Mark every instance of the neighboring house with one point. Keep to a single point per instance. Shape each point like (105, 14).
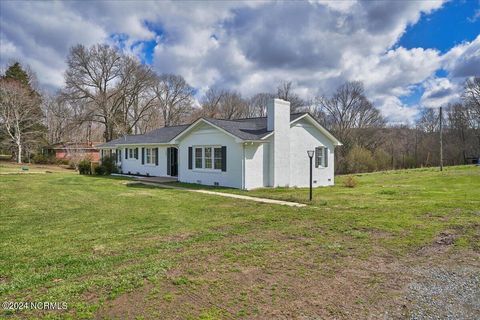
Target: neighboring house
(67, 151)
(243, 153)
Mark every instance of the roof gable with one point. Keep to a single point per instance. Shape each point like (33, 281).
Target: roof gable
(320, 128)
(196, 124)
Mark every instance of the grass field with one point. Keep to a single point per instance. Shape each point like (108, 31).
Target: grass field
(111, 250)
(14, 168)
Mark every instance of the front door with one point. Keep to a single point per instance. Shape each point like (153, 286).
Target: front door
(172, 161)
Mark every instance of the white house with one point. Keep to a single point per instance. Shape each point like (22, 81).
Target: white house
(246, 153)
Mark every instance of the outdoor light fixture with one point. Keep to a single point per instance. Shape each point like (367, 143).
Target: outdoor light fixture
(310, 155)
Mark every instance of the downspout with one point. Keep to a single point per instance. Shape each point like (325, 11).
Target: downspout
(243, 167)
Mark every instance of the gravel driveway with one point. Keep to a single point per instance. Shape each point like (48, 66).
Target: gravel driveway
(445, 293)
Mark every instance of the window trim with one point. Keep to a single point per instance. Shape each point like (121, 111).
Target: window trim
(212, 158)
(152, 161)
(321, 152)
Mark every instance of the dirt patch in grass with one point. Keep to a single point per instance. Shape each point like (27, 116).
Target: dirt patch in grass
(274, 291)
(445, 238)
(440, 245)
(126, 306)
(377, 287)
(266, 274)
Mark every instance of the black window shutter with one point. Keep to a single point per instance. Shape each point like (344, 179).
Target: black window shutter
(143, 155)
(156, 156)
(224, 158)
(126, 153)
(136, 153)
(169, 154)
(317, 153)
(190, 158)
(326, 156)
(119, 155)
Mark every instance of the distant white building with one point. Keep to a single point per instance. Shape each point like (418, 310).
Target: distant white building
(246, 153)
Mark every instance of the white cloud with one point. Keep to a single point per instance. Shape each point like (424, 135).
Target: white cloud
(464, 59)
(396, 111)
(475, 17)
(41, 34)
(439, 92)
(246, 46)
(394, 72)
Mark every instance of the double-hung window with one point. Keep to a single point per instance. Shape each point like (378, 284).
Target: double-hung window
(208, 157)
(150, 156)
(154, 156)
(217, 160)
(321, 157)
(198, 158)
(130, 153)
(318, 157)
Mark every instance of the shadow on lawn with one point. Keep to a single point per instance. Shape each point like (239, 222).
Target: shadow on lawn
(140, 185)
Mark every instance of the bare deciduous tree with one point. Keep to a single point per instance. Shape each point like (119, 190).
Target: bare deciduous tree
(232, 106)
(471, 98)
(175, 98)
(458, 126)
(258, 104)
(210, 102)
(285, 92)
(472, 95)
(428, 121)
(58, 118)
(223, 104)
(349, 109)
(93, 78)
(138, 97)
(109, 88)
(20, 114)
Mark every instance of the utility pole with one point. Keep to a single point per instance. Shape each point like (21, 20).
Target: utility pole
(441, 140)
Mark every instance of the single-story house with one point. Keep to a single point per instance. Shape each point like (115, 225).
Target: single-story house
(246, 153)
(68, 150)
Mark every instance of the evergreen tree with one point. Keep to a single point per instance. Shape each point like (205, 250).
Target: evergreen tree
(21, 115)
(16, 72)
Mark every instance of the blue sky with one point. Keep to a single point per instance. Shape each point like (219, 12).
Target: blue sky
(452, 25)
(444, 28)
(409, 54)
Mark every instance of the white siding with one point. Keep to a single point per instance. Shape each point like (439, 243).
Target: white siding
(278, 116)
(281, 160)
(134, 166)
(206, 135)
(256, 165)
(304, 136)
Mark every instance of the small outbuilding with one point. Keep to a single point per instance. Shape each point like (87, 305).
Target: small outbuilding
(67, 151)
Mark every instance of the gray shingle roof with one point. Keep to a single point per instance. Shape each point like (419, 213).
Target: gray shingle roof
(249, 128)
(246, 129)
(160, 135)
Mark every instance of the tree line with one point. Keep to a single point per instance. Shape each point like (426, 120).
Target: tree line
(108, 94)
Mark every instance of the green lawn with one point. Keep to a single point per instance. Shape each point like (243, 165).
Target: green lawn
(14, 168)
(94, 242)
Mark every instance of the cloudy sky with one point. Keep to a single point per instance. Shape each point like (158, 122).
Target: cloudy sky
(409, 54)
